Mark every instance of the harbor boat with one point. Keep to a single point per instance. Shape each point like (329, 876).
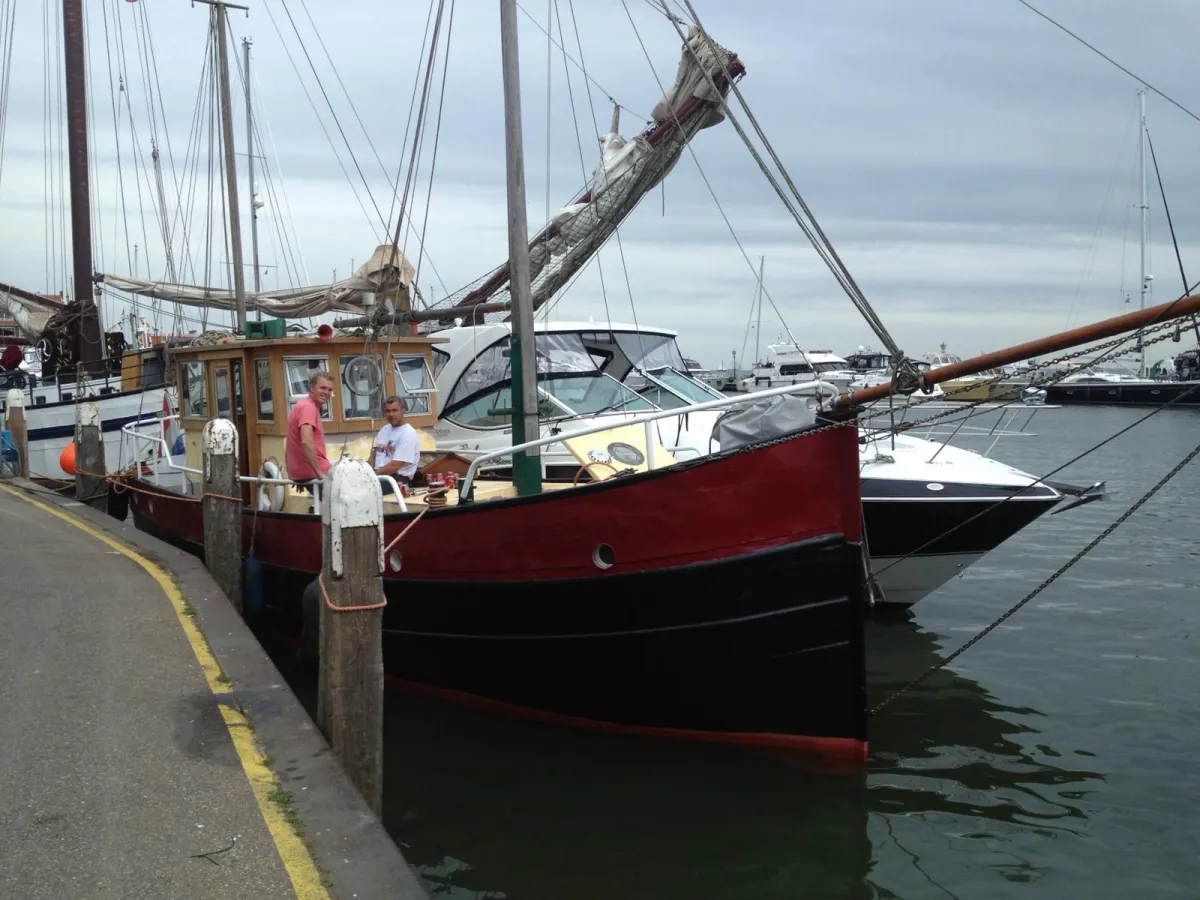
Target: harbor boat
(596, 602)
(1125, 380)
(789, 364)
(127, 386)
(670, 630)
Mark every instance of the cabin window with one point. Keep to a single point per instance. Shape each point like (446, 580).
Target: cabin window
(491, 410)
(440, 358)
(193, 391)
(795, 369)
(650, 351)
(221, 379)
(298, 369)
(362, 386)
(262, 388)
(557, 354)
(414, 384)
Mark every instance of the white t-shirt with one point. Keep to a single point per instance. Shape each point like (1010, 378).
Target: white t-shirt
(398, 443)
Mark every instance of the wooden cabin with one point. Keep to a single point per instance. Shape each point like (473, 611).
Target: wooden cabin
(254, 384)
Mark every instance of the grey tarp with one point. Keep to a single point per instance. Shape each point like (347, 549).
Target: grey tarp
(769, 418)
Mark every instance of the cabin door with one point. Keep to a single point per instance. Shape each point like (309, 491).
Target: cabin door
(231, 404)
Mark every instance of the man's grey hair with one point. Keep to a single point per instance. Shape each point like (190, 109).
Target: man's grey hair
(395, 399)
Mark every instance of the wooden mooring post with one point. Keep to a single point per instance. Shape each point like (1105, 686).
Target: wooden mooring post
(221, 506)
(350, 685)
(90, 486)
(14, 404)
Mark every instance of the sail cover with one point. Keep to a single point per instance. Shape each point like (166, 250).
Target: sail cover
(628, 169)
(29, 311)
(379, 274)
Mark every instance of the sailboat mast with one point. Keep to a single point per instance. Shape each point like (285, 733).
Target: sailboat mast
(220, 8)
(250, 171)
(90, 347)
(527, 469)
(758, 322)
(1144, 209)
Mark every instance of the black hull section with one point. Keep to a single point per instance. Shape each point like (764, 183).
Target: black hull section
(898, 526)
(1180, 393)
(762, 649)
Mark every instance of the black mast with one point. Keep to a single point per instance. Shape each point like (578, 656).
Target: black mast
(89, 342)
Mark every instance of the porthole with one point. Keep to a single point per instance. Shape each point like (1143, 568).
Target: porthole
(934, 486)
(603, 556)
(150, 505)
(395, 561)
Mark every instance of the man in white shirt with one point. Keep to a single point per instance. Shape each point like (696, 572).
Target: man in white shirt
(397, 447)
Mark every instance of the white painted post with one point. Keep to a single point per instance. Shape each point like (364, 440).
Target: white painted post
(89, 456)
(222, 508)
(14, 403)
(350, 685)
(649, 447)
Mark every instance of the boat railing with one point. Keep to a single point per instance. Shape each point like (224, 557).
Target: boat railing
(163, 457)
(645, 420)
(155, 441)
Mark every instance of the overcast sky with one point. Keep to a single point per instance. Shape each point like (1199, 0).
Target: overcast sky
(974, 166)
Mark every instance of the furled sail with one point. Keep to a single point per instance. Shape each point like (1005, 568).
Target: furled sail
(627, 171)
(31, 312)
(380, 274)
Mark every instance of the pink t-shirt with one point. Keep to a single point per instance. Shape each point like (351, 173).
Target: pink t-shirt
(305, 412)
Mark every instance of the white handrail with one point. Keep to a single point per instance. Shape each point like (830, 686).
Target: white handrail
(472, 469)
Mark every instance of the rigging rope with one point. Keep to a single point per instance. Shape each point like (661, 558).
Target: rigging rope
(1109, 59)
(808, 223)
(708, 184)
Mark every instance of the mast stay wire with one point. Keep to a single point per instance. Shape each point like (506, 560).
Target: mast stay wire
(292, 266)
(1171, 226)
(437, 135)
(362, 125)
(604, 173)
(418, 130)
(321, 121)
(803, 215)
(582, 165)
(711, 191)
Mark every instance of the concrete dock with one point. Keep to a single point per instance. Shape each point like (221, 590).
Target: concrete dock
(148, 747)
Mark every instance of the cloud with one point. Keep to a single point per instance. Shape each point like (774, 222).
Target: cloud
(974, 166)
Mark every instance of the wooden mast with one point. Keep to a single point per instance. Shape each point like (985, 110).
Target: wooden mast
(89, 341)
(1086, 334)
(527, 467)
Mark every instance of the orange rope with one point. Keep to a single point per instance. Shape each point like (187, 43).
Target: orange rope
(430, 493)
(341, 609)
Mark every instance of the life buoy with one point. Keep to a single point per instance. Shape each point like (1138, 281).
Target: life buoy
(270, 496)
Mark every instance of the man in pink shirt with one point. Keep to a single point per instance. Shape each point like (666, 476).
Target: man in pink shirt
(306, 460)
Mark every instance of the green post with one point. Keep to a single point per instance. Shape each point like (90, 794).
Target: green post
(527, 469)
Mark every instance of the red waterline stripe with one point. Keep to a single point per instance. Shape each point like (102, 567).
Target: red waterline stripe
(834, 747)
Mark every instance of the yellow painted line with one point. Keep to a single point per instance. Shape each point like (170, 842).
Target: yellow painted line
(300, 866)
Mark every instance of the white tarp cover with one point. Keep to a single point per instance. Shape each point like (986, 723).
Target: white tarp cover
(381, 271)
(30, 317)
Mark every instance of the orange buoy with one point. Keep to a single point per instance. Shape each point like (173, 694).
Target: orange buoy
(66, 459)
